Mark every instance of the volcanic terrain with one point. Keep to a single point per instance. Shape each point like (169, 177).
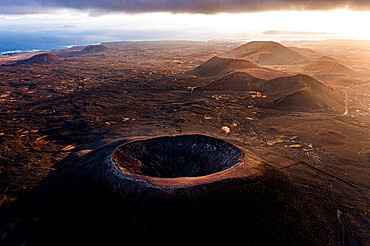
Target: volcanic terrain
(186, 142)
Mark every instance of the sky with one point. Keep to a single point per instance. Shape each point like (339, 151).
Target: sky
(72, 22)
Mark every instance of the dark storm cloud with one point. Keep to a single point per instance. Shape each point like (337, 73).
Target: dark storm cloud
(178, 6)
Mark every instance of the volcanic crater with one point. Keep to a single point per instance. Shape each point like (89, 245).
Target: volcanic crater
(179, 156)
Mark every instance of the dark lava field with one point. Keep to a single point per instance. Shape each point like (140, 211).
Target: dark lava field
(186, 143)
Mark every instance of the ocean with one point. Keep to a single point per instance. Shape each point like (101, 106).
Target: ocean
(12, 43)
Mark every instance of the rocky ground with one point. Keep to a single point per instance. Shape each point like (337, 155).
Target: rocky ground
(138, 90)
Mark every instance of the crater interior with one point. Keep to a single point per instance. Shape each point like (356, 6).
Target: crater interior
(176, 156)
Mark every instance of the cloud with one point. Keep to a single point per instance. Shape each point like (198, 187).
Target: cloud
(177, 6)
(275, 32)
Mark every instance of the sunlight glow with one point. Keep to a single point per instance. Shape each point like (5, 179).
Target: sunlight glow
(338, 23)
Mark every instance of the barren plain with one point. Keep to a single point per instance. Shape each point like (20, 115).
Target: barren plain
(299, 111)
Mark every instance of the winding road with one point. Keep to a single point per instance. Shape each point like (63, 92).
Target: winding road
(345, 104)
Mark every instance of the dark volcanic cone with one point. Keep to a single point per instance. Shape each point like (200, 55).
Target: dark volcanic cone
(268, 53)
(45, 58)
(217, 66)
(292, 93)
(328, 67)
(100, 48)
(326, 58)
(234, 82)
(122, 194)
(303, 93)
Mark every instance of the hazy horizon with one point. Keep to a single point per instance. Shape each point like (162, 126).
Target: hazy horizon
(40, 25)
